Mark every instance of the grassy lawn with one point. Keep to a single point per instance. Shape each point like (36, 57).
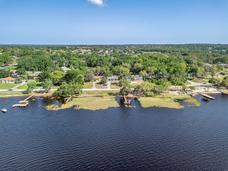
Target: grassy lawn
(172, 102)
(11, 94)
(23, 87)
(7, 86)
(186, 99)
(161, 102)
(88, 103)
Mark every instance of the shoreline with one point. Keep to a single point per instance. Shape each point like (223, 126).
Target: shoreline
(104, 100)
(95, 103)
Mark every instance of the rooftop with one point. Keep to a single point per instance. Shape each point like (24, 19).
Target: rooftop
(8, 79)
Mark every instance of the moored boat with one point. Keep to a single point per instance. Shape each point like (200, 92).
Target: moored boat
(3, 110)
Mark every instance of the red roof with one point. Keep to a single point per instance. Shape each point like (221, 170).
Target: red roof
(8, 79)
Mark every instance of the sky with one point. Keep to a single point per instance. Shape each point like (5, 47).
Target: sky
(113, 21)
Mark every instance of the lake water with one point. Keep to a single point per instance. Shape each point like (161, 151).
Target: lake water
(115, 139)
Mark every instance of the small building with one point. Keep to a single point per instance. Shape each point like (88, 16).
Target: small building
(8, 80)
(113, 78)
(138, 78)
(33, 75)
(223, 65)
(65, 69)
(15, 74)
(175, 88)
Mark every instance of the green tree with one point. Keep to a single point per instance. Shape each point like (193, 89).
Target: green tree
(68, 90)
(215, 81)
(57, 77)
(89, 76)
(122, 72)
(47, 84)
(31, 86)
(4, 73)
(74, 76)
(5, 59)
(225, 82)
(103, 80)
(125, 88)
(146, 89)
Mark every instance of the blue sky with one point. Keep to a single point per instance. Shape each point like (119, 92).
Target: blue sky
(113, 21)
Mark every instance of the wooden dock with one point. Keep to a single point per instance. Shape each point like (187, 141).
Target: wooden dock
(20, 105)
(23, 103)
(207, 96)
(128, 99)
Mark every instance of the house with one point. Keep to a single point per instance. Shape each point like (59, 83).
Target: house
(65, 69)
(223, 65)
(113, 78)
(15, 74)
(8, 80)
(33, 75)
(138, 78)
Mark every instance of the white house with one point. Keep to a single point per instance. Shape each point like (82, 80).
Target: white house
(113, 78)
(8, 80)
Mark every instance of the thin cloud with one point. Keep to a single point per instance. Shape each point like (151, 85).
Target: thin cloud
(99, 3)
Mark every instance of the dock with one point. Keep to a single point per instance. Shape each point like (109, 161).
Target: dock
(128, 99)
(23, 103)
(207, 96)
(20, 105)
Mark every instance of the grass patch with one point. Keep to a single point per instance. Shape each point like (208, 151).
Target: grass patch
(7, 86)
(12, 94)
(102, 93)
(23, 87)
(186, 99)
(172, 102)
(160, 102)
(88, 103)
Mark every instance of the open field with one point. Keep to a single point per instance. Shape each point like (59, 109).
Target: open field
(23, 87)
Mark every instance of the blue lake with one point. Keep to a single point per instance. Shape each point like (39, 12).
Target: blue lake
(194, 138)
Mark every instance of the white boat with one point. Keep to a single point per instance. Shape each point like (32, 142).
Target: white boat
(3, 110)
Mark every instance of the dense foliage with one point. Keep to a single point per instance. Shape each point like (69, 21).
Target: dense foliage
(159, 65)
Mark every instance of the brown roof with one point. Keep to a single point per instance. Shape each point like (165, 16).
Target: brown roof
(8, 79)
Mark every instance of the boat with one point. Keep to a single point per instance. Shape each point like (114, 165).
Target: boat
(3, 110)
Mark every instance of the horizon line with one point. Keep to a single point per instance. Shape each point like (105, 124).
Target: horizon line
(106, 44)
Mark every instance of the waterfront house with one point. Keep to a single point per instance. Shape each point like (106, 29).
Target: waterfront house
(113, 78)
(8, 80)
(223, 65)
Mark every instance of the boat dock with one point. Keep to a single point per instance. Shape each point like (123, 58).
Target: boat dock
(20, 105)
(207, 96)
(128, 99)
(23, 103)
